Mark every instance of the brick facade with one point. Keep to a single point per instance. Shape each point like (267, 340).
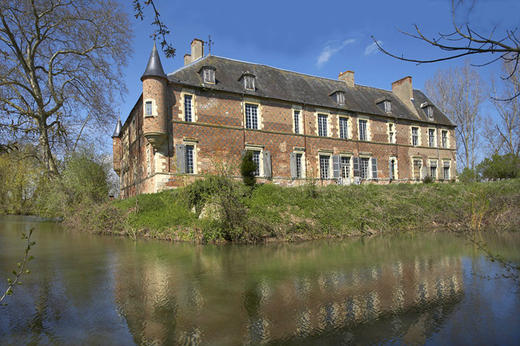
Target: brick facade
(145, 149)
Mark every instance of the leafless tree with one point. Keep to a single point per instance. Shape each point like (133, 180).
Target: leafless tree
(60, 68)
(459, 93)
(503, 132)
(465, 41)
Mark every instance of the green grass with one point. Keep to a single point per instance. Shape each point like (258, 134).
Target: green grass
(300, 213)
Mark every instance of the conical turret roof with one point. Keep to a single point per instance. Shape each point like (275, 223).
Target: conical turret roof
(154, 67)
(117, 130)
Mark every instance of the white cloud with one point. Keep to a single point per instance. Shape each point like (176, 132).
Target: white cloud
(330, 50)
(372, 48)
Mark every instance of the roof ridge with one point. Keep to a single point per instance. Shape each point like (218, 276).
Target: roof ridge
(190, 64)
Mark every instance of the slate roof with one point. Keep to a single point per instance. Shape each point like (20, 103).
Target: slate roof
(300, 88)
(154, 67)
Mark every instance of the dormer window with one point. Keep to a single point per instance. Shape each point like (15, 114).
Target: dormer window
(384, 104)
(208, 74)
(428, 109)
(340, 97)
(249, 81)
(388, 106)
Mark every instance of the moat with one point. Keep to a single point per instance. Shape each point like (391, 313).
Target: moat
(420, 288)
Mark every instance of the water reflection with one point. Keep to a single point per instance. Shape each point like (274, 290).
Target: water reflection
(98, 290)
(164, 302)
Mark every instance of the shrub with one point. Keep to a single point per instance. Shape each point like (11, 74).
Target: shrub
(248, 169)
(427, 180)
(500, 167)
(468, 175)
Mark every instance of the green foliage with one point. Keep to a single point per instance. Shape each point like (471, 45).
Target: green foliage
(248, 169)
(500, 167)
(468, 175)
(427, 180)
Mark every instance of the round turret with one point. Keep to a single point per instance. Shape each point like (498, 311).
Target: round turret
(155, 101)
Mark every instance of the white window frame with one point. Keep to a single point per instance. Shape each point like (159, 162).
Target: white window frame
(418, 135)
(449, 169)
(208, 75)
(303, 165)
(368, 134)
(436, 168)
(391, 139)
(396, 168)
(260, 157)
(182, 115)
(258, 113)
(387, 106)
(327, 126)
(154, 108)
(249, 82)
(369, 167)
(330, 173)
(429, 112)
(350, 166)
(349, 127)
(193, 144)
(447, 139)
(434, 137)
(300, 120)
(340, 98)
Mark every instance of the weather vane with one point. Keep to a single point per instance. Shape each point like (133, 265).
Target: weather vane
(209, 43)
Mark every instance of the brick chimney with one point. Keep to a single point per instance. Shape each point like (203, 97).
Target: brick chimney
(197, 49)
(187, 59)
(403, 89)
(347, 77)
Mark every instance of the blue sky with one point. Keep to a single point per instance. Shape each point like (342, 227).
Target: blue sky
(317, 38)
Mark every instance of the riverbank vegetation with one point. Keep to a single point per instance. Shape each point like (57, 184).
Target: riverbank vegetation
(218, 209)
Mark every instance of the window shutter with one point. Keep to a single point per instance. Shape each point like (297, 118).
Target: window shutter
(374, 168)
(336, 166)
(180, 151)
(267, 164)
(293, 166)
(356, 166)
(390, 169)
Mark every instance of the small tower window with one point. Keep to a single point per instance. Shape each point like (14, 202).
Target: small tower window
(148, 110)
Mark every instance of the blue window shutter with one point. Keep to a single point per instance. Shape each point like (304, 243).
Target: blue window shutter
(336, 166)
(374, 168)
(180, 151)
(267, 164)
(293, 166)
(356, 167)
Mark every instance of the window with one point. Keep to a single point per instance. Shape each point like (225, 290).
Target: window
(340, 97)
(446, 170)
(208, 74)
(433, 169)
(298, 161)
(392, 168)
(322, 125)
(429, 112)
(256, 160)
(388, 106)
(324, 166)
(345, 167)
(444, 138)
(363, 130)
(391, 132)
(189, 159)
(251, 116)
(431, 137)
(148, 108)
(343, 128)
(363, 169)
(249, 82)
(415, 136)
(417, 165)
(296, 119)
(188, 113)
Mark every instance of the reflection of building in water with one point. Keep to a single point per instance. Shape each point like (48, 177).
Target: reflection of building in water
(174, 307)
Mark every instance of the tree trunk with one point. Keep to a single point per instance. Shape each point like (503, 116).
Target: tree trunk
(46, 152)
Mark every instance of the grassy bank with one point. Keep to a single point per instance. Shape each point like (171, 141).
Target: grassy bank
(232, 212)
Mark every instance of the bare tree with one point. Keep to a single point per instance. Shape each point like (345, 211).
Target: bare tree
(503, 132)
(459, 93)
(464, 40)
(60, 68)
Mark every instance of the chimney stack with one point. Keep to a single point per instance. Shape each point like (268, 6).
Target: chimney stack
(197, 49)
(347, 77)
(404, 91)
(187, 59)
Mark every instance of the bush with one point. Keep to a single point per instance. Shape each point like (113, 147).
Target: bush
(468, 175)
(427, 180)
(500, 167)
(248, 169)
